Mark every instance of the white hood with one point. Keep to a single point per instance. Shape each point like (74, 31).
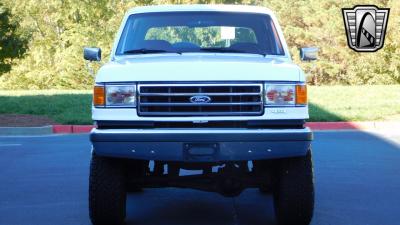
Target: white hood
(199, 67)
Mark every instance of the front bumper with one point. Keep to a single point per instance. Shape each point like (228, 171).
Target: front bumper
(201, 145)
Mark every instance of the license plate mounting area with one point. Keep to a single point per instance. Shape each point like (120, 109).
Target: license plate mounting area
(200, 151)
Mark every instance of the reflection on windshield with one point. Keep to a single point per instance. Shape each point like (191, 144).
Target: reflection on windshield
(179, 32)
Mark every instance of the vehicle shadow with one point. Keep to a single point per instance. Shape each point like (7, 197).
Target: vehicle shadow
(174, 206)
(356, 182)
(319, 114)
(188, 207)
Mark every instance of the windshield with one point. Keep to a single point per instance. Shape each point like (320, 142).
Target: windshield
(180, 32)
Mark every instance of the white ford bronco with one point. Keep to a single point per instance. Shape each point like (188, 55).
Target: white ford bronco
(205, 88)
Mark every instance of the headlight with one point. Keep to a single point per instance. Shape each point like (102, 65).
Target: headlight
(114, 96)
(121, 95)
(285, 94)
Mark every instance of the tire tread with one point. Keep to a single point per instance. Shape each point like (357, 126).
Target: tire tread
(294, 191)
(107, 191)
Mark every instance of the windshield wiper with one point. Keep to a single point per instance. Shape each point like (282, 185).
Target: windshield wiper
(221, 50)
(229, 50)
(147, 51)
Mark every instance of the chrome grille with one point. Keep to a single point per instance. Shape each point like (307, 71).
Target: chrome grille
(225, 99)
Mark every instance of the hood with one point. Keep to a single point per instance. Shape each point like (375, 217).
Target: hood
(199, 67)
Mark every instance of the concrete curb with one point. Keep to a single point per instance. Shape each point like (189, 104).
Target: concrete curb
(369, 125)
(316, 126)
(9, 131)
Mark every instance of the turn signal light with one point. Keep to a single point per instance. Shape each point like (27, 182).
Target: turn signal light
(301, 94)
(98, 96)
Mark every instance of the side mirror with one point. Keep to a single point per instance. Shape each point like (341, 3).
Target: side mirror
(309, 53)
(92, 54)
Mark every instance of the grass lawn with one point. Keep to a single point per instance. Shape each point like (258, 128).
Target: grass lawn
(327, 103)
(354, 103)
(64, 107)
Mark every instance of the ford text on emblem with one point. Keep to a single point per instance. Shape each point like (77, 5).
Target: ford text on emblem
(200, 99)
(365, 27)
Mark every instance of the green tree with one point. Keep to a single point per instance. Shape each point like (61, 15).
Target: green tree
(12, 44)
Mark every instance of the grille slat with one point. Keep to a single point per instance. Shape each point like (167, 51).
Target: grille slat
(200, 104)
(224, 99)
(197, 93)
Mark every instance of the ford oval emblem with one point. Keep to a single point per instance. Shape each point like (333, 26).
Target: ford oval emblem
(200, 99)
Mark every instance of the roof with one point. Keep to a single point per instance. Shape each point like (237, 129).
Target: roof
(191, 8)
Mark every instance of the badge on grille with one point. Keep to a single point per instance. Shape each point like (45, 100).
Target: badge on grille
(365, 27)
(200, 99)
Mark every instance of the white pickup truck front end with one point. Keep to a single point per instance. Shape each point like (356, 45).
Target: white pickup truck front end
(155, 121)
(206, 88)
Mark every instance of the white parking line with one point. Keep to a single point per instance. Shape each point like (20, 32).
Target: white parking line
(36, 136)
(8, 145)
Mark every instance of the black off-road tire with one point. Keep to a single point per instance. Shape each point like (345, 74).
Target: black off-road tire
(294, 191)
(107, 191)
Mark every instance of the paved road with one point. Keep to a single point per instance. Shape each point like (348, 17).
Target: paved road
(43, 180)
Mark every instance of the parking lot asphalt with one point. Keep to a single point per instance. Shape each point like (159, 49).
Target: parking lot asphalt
(44, 180)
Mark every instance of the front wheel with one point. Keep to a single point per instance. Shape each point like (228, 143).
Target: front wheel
(107, 191)
(294, 191)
